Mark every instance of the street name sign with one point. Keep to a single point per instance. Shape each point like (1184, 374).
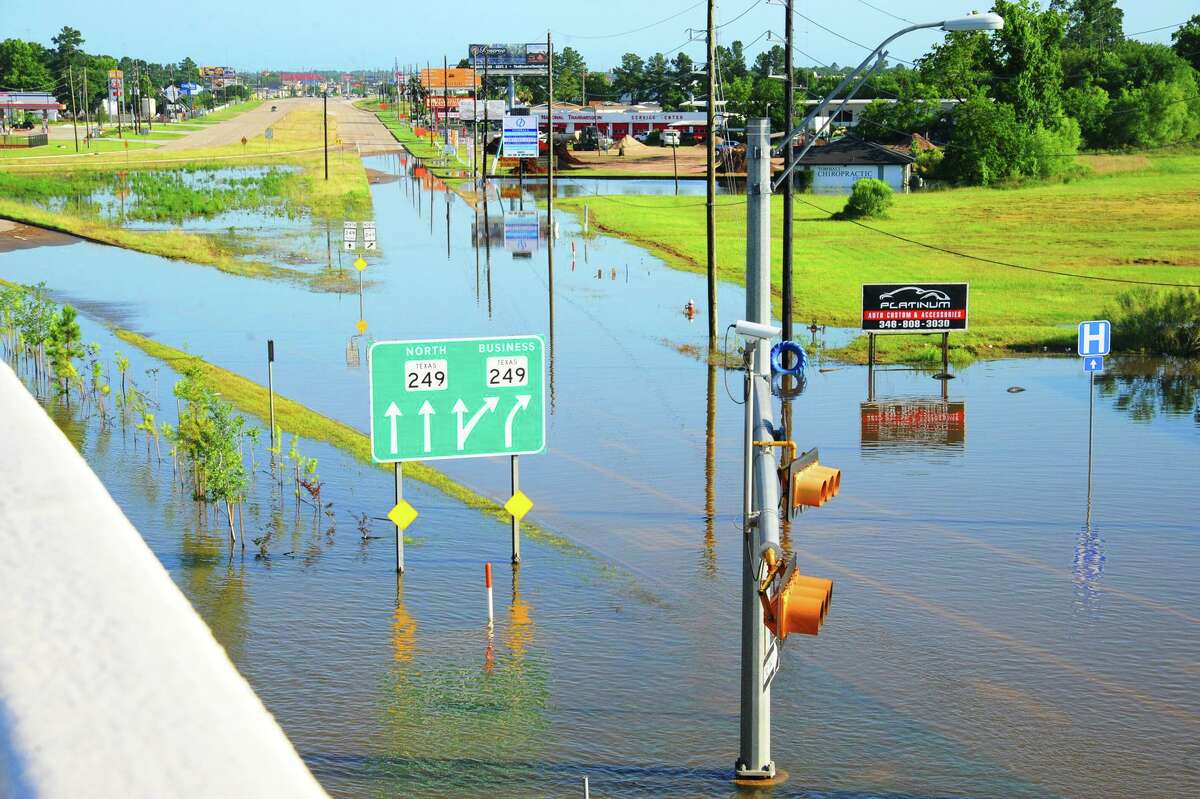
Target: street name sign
(914, 307)
(1095, 338)
(520, 136)
(457, 398)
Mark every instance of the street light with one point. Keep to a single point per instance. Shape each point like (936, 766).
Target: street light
(972, 22)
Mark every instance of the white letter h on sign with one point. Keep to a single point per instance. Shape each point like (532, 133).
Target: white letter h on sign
(1093, 338)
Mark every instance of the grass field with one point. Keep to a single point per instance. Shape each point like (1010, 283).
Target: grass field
(1136, 217)
(297, 142)
(228, 112)
(63, 150)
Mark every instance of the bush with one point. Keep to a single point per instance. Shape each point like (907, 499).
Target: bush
(870, 197)
(1157, 322)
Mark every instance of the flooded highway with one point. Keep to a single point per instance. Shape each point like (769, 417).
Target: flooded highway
(1045, 643)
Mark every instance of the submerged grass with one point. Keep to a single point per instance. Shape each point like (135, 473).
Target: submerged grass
(297, 142)
(292, 417)
(1134, 221)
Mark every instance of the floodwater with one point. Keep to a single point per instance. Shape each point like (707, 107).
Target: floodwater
(993, 633)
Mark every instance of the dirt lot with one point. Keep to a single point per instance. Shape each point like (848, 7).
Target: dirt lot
(642, 160)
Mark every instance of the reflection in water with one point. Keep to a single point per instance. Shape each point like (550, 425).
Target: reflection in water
(709, 559)
(1087, 567)
(912, 424)
(404, 627)
(215, 584)
(1147, 387)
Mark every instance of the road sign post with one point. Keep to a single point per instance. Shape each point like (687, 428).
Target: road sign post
(1094, 342)
(457, 398)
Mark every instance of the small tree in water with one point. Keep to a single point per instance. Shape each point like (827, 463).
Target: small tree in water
(64, 346)
(870, 197)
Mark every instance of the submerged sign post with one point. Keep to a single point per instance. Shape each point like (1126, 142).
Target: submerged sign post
(457, 398)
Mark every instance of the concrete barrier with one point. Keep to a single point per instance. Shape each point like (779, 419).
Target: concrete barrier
(110, 684)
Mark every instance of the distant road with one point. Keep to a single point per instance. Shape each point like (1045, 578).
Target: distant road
(231, 131)
(361, 128)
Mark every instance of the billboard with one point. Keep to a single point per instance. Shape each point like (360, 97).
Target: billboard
(509, 59)
(469, 111)
(914, 307)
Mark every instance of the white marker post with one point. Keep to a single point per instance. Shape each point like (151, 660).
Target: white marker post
(487, 579)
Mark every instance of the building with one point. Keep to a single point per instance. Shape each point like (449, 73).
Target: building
(301, 82)
(619, 120)
(43, 105)
(837, 166)
(850, 115)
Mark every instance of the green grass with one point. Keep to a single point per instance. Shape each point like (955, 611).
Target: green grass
(228, 112)
(295, 419)
(1136, 219)
(63, 151)
(297, 142)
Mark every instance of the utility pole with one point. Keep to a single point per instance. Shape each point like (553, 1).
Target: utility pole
(711, 149)
(446, 100)
(325, 127)
(74, 108)
(760, 504)
(550, 199)
(789, 93)
(87, 129)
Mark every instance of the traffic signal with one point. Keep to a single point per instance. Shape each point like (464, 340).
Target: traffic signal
(798, 603)
(813, 484)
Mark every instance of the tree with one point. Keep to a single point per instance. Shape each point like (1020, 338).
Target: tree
(656, 78)
(959, 67)
(1186, 41)
(1092, 24)
(569, 69)
(731, 61)
(20, 67)
(1027, 61)
(629, 75)
(64, 346)
(68, 48)
(919, 111)
(683, 82)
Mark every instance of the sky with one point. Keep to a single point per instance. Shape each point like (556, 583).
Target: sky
(305, 34)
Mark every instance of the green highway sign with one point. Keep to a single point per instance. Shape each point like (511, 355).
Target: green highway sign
(457, 398)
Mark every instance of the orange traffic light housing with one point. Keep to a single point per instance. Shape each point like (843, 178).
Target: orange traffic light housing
(798, 603)
(809, 483)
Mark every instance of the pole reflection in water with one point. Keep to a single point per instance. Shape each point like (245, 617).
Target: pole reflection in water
(709, 559)
(476, 239)
(404, 627)
(1087, 566)
(446, 194)
(487, 246)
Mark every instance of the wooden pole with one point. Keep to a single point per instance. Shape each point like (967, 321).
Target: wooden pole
(710, 202)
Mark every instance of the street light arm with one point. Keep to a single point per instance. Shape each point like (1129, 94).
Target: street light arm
(775, 184)
(792, 134)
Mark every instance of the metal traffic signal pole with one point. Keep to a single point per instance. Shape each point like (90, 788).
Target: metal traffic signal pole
(761, 485)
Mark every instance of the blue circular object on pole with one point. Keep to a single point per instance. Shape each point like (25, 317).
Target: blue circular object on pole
(798, 355)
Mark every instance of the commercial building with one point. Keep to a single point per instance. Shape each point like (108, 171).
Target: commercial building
(850, 115)
(619, 120)
(301, 82)
(837, 166)
(43, 105)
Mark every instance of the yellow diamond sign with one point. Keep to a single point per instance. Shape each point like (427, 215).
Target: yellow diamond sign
(361, 324)
(403, 514)
(519, 505)
(359, 263)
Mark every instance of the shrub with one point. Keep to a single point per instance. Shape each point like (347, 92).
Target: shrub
(870, 197)
(1157, 322)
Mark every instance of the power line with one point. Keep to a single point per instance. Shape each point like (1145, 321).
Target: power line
(634, 30)
(888, 13)
(749, 8)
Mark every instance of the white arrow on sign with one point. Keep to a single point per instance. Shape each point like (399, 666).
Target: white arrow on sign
(392, 412)
(427, 411)
(522, 404)
(489, 404)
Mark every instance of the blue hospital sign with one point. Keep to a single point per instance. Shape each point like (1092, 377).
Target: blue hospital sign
(1095, 338)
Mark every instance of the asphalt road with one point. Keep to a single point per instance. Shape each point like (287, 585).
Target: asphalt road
(231, 131)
